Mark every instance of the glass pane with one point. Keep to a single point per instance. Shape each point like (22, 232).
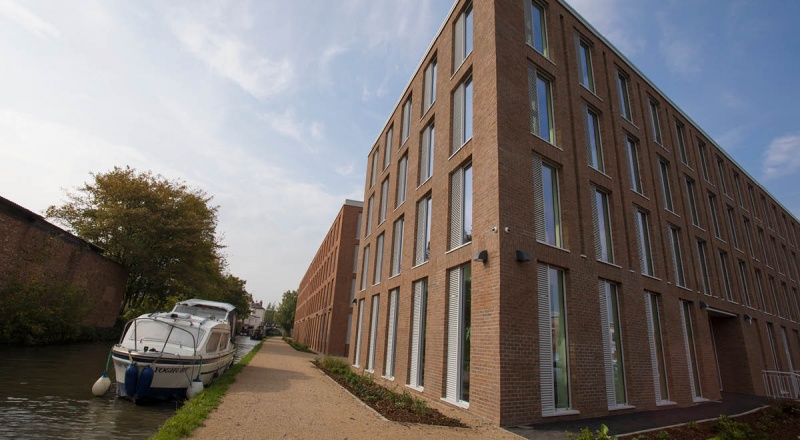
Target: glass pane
(559, 339)
(616, 344)
(467, 233)
(551, 210)
(543, 95)
(537, 18)
(468, 110)
(468, 33)
(466, 304)
(662, 372)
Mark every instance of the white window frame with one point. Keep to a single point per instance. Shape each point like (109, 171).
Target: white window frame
(535, 82)
(536, 27)
(416, 367)
(373, 333)
(391, 335)
(360, 322)
(462, 115)
(456, 301)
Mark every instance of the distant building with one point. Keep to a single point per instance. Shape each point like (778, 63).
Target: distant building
(569, 243)
(256, 317)
(33, 250)
(324, 298)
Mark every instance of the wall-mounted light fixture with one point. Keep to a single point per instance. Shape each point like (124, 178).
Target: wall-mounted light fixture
(482, 256)
(522, 257)
(703, 305)
(748, 318)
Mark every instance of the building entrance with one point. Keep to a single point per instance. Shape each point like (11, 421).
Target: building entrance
(730, 352)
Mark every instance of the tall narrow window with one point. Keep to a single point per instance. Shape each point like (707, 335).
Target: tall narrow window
(402, 180)
(612, 345)
(384, 200)
(422, 249)
(691, 352)
(539, 94)
(787, 301)
(397, 246)
(535, 31)
(358, 228)
(374, 173)
(743, 280)
(701, 148)
(546, 203)
(774, 294)
(643, 239)
(732, 226)
(364, 267)
(721, 170)
(656, 347)
(763, 246)
(775, 254)
(624, 99)
(370, 202)
(726, 279)
(553, 342)
(760, 290)
(712, 205)
(355, 260)
(677, 259)
(387, 154)
(359, 324)
(461, 206)
(679, 132)
(462, 115)
(748, 237)
(654, 120)
(751, 194)
(692, 201)
(738, 188)
(430, 85)
(376, 277)
(786, 350)
(663, 170)
(703, 257)
(594, 147)
(458, 334)
(633, 165)
(586, 75)
(391, 335)
(462, 38)
(772, 346)
(373, 332)
(405, 129)
(416, 370)
(426, 153)
(602, 227)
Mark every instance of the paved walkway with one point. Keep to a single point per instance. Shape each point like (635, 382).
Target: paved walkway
(282, 395)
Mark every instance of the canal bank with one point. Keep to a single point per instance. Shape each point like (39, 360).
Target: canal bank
(280, 394)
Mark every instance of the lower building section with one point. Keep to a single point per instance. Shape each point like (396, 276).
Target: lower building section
(549, 342)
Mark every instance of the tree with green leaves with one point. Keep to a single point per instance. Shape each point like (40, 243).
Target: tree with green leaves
(269, 313)
(162, 231)
(284, 314)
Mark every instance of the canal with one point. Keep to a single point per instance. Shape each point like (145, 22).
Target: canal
(46, 392)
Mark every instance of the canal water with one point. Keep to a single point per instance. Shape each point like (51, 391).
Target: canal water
(46, 392)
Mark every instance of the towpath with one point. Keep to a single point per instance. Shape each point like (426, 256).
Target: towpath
(280, 394)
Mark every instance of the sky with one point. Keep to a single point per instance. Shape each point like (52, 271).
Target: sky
(271, 106)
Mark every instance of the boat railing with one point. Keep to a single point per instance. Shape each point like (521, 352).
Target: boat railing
(782, 384)
(172, 328)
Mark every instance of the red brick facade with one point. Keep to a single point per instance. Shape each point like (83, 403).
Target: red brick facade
(35, 250)
(505, 373)
(324, 296)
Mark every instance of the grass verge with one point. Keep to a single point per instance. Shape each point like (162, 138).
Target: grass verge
(191, 415)
(398, 407)
(297, 345)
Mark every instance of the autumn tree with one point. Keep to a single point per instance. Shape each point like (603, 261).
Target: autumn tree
(162, 231)
(284, 314)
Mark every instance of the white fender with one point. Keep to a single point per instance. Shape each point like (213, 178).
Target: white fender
(101, 386)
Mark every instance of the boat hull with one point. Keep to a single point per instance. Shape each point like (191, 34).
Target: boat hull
(171, 375)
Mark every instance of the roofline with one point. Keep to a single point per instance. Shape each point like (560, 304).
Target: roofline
(697, 126)
(356, 203)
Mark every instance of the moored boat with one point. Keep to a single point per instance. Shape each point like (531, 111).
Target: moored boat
(164, 355)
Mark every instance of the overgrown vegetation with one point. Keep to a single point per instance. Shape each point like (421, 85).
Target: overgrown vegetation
(192, 414)
(297, 345)
(284, 314)
(35, 312)
(400, 407)
(585, 434)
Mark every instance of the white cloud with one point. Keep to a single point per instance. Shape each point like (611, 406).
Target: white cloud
(782, 156)
(682, 52)
(231, 58)
(609, 17)
(288, 125)
(345, 170)
(27, 19)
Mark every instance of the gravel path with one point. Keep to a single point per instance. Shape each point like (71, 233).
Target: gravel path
(280, 394)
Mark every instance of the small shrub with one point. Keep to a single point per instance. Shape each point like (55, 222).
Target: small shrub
(297, 345)
(729, 429)
(586, 434)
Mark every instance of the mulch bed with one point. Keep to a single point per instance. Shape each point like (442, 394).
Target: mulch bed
(391, 411)
(775, 423)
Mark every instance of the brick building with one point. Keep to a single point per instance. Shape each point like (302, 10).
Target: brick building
(324, 298)
(547, 236)
(32, 250)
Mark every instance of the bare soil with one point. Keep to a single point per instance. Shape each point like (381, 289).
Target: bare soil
(781, 422)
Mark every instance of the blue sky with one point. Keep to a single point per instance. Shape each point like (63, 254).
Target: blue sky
(271, 106)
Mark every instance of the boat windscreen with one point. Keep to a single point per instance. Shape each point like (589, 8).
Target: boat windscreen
(154, 331)
(205, 312)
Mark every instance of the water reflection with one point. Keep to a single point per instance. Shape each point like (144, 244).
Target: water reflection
(45, 392)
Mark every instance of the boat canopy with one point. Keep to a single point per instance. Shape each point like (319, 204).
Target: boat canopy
(205, 308)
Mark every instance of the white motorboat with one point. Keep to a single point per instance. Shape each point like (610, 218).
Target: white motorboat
(167, 355)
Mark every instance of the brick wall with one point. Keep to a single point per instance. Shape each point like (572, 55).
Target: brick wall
(33, 249)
